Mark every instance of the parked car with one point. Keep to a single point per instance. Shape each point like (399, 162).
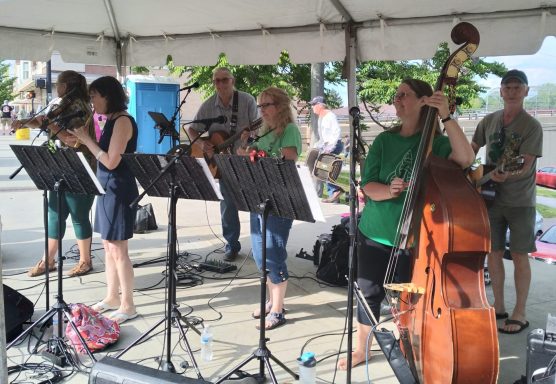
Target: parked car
(546, 177)
(538, 231)
(546, 246)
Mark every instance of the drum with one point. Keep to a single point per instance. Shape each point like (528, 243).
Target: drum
(328, 167)
(312, 155)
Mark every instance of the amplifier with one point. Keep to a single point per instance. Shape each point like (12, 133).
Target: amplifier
(114, 371)
(541, 348)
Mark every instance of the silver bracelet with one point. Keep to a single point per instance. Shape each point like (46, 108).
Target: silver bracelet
(99, 154)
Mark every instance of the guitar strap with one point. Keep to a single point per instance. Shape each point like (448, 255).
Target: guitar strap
(233, 119)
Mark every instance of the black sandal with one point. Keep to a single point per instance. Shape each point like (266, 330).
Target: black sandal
(274, 320)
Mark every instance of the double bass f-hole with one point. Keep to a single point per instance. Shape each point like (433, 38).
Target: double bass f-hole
(435, 310)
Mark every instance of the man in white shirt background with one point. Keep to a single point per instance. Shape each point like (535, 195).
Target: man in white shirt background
(329, 142)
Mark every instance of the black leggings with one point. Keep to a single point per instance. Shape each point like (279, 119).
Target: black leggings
(372, 262)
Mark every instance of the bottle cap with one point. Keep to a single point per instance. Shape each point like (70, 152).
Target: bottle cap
(307, 359)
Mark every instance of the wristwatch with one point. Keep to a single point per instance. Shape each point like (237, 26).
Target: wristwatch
(447, 118)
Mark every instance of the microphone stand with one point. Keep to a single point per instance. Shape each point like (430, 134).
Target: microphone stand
(175, 135)
(353, 221)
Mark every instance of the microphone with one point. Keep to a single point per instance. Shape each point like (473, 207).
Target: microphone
(218, 120)
(67, 117)
(188, 87)
(354, 112)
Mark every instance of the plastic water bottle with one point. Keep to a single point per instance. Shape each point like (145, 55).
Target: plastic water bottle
(206, 344)
(55, 325)
(307, 368)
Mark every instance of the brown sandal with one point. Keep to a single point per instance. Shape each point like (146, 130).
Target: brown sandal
(40, 269)
(82, 268)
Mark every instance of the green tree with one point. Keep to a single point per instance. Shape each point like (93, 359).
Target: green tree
(293, 78)
(377, 81)
(6, 83)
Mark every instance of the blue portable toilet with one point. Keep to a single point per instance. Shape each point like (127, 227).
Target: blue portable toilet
(152, 94)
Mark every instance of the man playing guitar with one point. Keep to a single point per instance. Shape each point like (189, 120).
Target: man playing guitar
(240, 110)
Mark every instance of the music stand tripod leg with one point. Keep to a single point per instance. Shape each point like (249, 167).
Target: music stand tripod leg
(59, 308)
(263, 354)
(172, 312)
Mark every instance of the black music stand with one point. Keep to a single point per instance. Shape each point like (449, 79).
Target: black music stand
(61, 170)
(167, 128)
(267, 186)
(176, 177)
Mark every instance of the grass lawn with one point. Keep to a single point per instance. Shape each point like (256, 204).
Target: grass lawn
(546, 192)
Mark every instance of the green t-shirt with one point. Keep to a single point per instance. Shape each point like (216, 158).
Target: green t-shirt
(272, 144)
(522, 136)
(391, 155)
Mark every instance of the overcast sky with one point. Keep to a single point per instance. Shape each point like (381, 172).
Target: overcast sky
(540, 68)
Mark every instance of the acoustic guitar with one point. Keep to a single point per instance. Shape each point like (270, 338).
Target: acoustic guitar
(487, 187)
(223, 143)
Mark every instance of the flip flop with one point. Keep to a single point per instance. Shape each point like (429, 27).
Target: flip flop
(121, 317)
(522, 326)
(502, 316)
(101, 307)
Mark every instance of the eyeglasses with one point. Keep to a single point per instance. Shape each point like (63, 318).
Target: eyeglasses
(401, 95)
(222, 80)
(264, 105)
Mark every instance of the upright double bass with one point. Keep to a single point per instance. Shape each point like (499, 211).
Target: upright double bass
(448, 329)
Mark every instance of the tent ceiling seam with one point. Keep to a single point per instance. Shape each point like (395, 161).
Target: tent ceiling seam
(342, 10)
(112, 19)
(390, 22)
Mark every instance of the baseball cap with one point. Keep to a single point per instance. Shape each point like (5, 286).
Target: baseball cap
(317, 100)
(514, 74)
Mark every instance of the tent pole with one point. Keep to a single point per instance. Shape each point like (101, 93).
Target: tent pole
(351, 44)
(3, 351)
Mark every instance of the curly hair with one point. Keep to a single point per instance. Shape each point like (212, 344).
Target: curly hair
(75, 82)
(281, 102)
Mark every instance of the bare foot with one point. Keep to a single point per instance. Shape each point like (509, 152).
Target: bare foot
(357, 357)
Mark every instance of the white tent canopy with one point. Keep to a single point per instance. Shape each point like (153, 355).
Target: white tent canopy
(195, 32)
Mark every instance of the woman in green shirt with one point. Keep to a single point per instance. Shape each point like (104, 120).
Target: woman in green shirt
(280, 138)
(387, 173)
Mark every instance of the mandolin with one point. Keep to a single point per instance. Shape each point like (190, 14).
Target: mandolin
(222, 144)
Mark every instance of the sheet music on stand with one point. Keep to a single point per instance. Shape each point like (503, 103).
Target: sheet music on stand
(190, 175)
(288, 186)
(46, 168)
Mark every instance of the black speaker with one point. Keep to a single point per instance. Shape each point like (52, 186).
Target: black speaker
(18, 309)
(114, 371)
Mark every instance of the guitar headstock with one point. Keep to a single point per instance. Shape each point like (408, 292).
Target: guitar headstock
(255, 124)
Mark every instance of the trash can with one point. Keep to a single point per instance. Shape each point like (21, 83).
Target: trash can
(22, 134)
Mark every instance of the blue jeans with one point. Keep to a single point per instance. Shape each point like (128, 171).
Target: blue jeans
(277, 233)
(230, 220)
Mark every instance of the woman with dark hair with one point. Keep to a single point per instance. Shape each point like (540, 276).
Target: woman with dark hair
(73, 96)
(114, 218)
(280, 138)
(386, 175)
